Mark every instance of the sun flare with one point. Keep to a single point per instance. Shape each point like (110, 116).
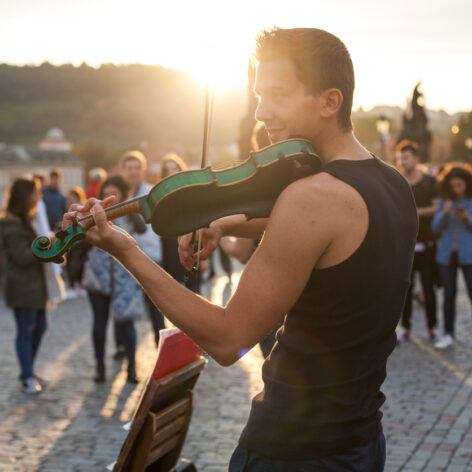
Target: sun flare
(221, 68)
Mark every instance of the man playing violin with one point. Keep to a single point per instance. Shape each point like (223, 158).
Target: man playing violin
(334, 264)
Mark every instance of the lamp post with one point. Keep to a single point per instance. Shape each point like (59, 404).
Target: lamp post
(383, 128)
(468, 145)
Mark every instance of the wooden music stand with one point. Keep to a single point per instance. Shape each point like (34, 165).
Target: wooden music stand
(159, 426)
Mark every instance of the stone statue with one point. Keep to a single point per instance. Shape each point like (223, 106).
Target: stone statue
(415, 124)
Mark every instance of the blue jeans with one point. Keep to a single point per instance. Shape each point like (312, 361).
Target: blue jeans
(30, 327)
(125, 330)
(370, 458)
(448, 275)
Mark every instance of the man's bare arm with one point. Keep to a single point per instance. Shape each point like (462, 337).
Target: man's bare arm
(296, 236)
(429, 210)
(240, 227)
(239, 248)
(234, 225)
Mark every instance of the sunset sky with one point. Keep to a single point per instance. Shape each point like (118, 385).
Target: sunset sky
(393, 44)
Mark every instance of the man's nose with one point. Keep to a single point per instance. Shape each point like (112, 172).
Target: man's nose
(263, 112)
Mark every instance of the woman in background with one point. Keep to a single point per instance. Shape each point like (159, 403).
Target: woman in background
(453, 223)
(96, 177)
(25, 284)
(112, 289)
(171, 164)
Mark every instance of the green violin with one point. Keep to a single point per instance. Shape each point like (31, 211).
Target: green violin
(190, 200)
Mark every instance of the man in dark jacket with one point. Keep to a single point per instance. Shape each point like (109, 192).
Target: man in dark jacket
(55, 201)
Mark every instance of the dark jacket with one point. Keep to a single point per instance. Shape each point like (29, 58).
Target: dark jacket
(25, 285)
(56, 206)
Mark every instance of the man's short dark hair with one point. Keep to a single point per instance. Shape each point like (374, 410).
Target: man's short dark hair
(55, 173)
(407, 145)
(321, 60)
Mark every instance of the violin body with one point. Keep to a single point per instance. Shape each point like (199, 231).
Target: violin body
(190, 200)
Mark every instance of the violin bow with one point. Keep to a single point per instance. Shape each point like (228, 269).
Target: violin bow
(207, 121)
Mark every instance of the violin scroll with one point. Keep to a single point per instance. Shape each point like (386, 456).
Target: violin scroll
(47, 251)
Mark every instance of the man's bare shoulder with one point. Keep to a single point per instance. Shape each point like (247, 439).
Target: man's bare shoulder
(320, 191)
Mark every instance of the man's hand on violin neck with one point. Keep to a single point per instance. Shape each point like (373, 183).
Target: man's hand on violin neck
(84, 210)
(104, 234)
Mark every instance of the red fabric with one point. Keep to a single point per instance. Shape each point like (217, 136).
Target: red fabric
(176, 350)
(93, 189)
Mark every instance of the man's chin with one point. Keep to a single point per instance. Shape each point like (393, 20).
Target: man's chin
(275, 138)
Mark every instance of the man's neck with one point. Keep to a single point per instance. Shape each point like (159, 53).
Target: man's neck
(336, 145)
(414, 176)
(133, 189)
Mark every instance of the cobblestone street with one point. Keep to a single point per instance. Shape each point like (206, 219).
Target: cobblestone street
(75, 425)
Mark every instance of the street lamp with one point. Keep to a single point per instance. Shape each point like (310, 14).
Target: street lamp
(383, 127)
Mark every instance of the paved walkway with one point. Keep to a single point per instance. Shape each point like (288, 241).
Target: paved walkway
(75, 425)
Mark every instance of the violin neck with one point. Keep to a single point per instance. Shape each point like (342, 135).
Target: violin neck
(115, 211)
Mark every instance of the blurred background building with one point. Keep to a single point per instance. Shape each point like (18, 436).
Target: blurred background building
(54, 151)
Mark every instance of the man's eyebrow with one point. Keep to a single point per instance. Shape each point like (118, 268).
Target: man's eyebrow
(270, 88)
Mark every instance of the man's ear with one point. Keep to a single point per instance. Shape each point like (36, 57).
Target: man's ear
(332, 102)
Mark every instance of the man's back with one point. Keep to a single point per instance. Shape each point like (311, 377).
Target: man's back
(322, 379)
(56, 205)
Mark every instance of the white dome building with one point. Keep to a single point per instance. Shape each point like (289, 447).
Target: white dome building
(55, 140)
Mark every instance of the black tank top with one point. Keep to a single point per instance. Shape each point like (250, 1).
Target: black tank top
(322, 379)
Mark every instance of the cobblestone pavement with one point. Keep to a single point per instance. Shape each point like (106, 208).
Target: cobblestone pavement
(75, 425)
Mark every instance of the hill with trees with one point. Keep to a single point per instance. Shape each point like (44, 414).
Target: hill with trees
(112, 106)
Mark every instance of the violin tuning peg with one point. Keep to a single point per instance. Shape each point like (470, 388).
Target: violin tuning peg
(62, 235)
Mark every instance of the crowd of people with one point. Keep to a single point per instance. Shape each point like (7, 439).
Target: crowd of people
(36, 206)
(444, 206)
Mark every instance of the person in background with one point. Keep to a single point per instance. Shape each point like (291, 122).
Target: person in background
(25, 284)
(96, 177)
(111, 288)
(171, 164)
(76, 195)
(425, 191)
(55, 201)
(78, 252)
(453, 223)
(56, 291)
(133, 167)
